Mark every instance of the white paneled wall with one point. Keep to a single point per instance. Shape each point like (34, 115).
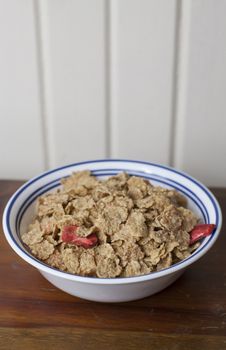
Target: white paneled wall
(142, 65)
(201, 116)
(21, 139)
(74, 38)
(86, 79)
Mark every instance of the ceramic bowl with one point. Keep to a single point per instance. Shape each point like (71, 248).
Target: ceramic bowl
(20, 210)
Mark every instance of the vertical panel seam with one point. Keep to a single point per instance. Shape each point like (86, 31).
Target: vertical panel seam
(107, 43)
(175, 83)
(181, 84)
(40, 8)
(41, 81)
(112, 71)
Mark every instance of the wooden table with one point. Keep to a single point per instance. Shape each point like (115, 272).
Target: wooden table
(190, 314)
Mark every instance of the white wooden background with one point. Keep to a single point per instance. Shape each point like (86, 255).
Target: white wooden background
(138, 79)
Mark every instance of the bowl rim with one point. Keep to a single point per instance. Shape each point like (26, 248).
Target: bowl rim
(112, 281)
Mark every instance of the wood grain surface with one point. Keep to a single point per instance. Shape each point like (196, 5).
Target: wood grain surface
(190, 314)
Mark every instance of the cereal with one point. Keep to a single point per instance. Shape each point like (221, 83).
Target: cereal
(120, 227)
(42, 250)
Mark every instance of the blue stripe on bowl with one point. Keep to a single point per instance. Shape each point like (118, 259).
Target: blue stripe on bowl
(152, 177)
(74, 165)
(56, 183)
(207, 192)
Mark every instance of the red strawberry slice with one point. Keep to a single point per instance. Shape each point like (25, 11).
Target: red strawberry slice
(200, 231)
(69, 236)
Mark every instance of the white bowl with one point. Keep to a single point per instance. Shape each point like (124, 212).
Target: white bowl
(19, 212)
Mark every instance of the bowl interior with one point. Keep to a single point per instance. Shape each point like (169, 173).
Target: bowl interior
(20, 210)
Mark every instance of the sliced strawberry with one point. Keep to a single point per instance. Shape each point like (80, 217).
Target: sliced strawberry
(69, 235)
(201, 231)
(86, 242)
